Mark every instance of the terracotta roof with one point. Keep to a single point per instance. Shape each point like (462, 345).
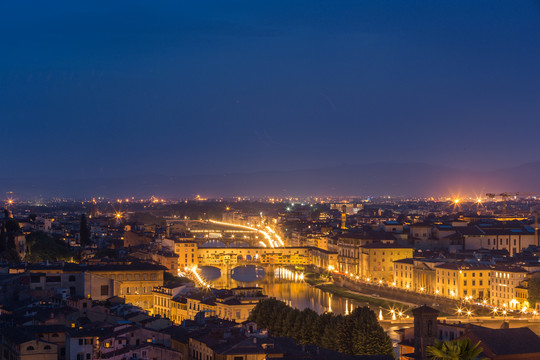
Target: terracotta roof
(508, 341)
(380, 245)
(405, 261)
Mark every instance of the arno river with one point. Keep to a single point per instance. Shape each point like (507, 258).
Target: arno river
(283, 285)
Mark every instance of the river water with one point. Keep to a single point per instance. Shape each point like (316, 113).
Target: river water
(287, 286)
(290, 288)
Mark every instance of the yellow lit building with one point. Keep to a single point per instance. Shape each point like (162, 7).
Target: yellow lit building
(504, 282)
(187, 254)
(163, 299)
(132, 281)
(522, 296)
(377, 260)
(403, 274)
(324, 259)
(234, 304)
(179, 311)
(463, 281)
(135, 281)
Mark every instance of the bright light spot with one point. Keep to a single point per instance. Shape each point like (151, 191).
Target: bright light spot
(456, 201)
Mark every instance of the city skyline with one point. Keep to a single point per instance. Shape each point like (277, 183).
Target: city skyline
(285, 179)
(346, 180)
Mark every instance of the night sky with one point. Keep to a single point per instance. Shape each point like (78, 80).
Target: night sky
(109, 88)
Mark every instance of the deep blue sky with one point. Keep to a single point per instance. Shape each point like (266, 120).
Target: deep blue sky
(104, 88)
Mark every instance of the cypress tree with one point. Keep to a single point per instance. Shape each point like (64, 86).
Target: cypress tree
(84, 232)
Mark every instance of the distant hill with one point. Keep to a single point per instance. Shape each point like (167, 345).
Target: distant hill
(396, 179)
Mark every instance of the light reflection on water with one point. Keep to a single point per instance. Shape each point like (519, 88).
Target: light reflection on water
(297, 294)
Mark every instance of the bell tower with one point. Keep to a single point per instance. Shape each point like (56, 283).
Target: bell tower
(425, 330)
(344, 217)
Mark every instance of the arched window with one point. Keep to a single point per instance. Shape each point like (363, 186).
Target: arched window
(46, 347)
(55, 335)
(30, 348)
(71, 278)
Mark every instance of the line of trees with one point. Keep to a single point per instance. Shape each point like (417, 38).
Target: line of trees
(356, 334)
(42, 246)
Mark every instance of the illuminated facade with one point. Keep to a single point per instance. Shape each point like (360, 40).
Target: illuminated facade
(377, 260)
(403, 273)
(233, 305)
(505, 284)
(463, 281)
(187, 254)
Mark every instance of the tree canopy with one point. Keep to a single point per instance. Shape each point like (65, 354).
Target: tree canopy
(356, 334)
(41, 247)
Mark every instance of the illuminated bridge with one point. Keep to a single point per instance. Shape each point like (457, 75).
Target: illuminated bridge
(229, 257)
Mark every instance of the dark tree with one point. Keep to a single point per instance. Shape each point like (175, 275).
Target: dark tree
(84, 232)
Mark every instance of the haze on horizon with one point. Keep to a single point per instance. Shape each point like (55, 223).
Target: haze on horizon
(94, 89)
